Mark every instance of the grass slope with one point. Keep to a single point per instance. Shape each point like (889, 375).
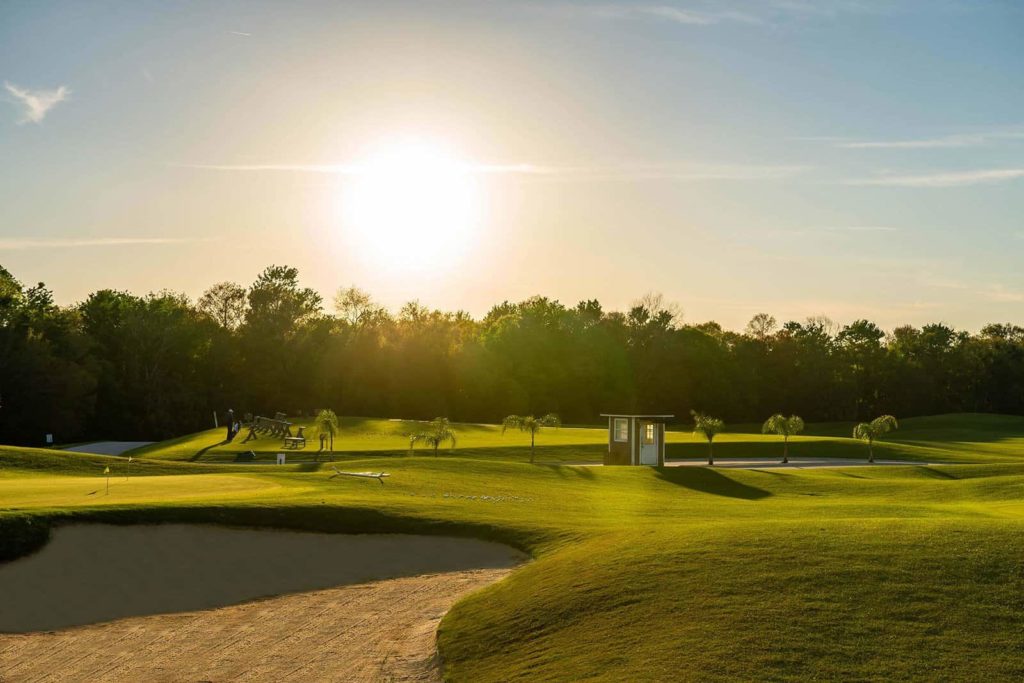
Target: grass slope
(640, 574)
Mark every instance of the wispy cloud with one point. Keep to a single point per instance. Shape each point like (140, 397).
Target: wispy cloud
(861, 228)
(712, 12)
(1003, 294)
(22, 244)
(36, 103)
(944, 142)
(959, 179)
(673, 13)
(683, 172)
(240, 33)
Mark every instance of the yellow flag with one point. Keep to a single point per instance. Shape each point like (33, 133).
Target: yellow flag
(106, 470)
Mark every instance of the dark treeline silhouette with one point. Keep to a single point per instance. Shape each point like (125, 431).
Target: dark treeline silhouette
(123, 366)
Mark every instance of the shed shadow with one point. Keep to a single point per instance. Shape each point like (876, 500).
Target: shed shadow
(708, 480)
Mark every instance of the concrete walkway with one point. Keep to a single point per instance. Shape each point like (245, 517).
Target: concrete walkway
(794, 463)
(770, 463)
(108, 447)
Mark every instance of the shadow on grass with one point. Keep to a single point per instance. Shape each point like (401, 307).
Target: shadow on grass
(708, 480)
(582, 471)
(934, 473)
(202, 451)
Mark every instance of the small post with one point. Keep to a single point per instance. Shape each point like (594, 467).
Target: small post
(106, 472)
(129, 472)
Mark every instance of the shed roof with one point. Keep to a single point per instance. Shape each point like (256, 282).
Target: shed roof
(643, 416)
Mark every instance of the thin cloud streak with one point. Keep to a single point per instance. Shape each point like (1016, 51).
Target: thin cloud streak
(962, 179)
(862, 228)
(946, 142)
(676, 172)
(686, 16)
(36, 103)
(23, 244)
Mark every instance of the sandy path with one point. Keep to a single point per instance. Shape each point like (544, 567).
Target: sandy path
(380, 631)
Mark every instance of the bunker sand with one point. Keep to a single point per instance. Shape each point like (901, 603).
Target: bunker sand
(168, 598)
(379, 631)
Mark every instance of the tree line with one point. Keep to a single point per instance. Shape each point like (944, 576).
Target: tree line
(120, 365)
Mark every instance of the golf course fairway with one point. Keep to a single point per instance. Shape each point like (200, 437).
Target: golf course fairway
(912, 572)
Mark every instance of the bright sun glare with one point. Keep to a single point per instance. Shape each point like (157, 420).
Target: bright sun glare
(410, 206)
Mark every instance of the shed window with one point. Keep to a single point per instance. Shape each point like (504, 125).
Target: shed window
(621, 429)
(648, 433)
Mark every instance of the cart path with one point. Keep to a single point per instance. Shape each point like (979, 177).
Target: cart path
(377, 631)
(108, 447)
(773, 463)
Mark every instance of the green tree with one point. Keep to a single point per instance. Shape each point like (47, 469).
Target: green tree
(224, 302)
(784, 427)
(327, 423)
(707, 427)
(438, 431)
(869, 431)
(532, 425)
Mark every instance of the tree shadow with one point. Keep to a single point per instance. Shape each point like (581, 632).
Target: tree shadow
(582, 471)
(709, 480)
(934, 473)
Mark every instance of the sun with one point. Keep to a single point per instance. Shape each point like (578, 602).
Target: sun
(410, 206)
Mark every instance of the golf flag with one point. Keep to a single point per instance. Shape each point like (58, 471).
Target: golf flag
(106, 470)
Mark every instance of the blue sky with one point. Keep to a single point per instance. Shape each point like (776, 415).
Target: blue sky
(844, 157)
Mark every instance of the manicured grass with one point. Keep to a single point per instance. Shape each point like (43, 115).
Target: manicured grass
(889, 573)
(944, 438)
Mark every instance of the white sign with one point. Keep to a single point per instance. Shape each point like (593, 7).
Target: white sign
(49, 438)
(280, 458)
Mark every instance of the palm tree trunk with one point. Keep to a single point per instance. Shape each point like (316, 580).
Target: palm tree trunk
(785, 450)
(711, 453)
(871, 453)
(533, 437)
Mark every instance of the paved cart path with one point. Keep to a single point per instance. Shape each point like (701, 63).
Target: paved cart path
(763, 463)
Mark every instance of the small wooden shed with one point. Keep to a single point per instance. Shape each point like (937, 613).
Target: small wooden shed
(636, 439)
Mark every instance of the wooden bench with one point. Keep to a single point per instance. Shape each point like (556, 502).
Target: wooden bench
(296, 442)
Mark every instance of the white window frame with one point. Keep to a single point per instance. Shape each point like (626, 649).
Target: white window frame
(651, 430)
(615, 429)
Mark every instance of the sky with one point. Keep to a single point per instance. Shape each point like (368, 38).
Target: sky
(848, 158)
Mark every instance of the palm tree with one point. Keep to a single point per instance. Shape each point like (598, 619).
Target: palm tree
(326, 423)
(869, 431)
(531, 424)
(708, 427)
(784, 427)
(438, 431)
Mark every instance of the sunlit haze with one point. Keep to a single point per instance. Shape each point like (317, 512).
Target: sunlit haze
(852, 159)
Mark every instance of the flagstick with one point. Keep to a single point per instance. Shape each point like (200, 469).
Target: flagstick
(106, 471)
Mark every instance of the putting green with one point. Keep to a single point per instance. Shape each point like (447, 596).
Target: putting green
(18, 493)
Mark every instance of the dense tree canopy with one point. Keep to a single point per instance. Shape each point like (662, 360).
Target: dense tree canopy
(119, 365)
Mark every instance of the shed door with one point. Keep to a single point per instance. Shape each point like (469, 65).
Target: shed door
(648, 443)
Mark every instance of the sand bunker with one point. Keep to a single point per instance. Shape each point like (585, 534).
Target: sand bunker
(373, 627)
(94, 573)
